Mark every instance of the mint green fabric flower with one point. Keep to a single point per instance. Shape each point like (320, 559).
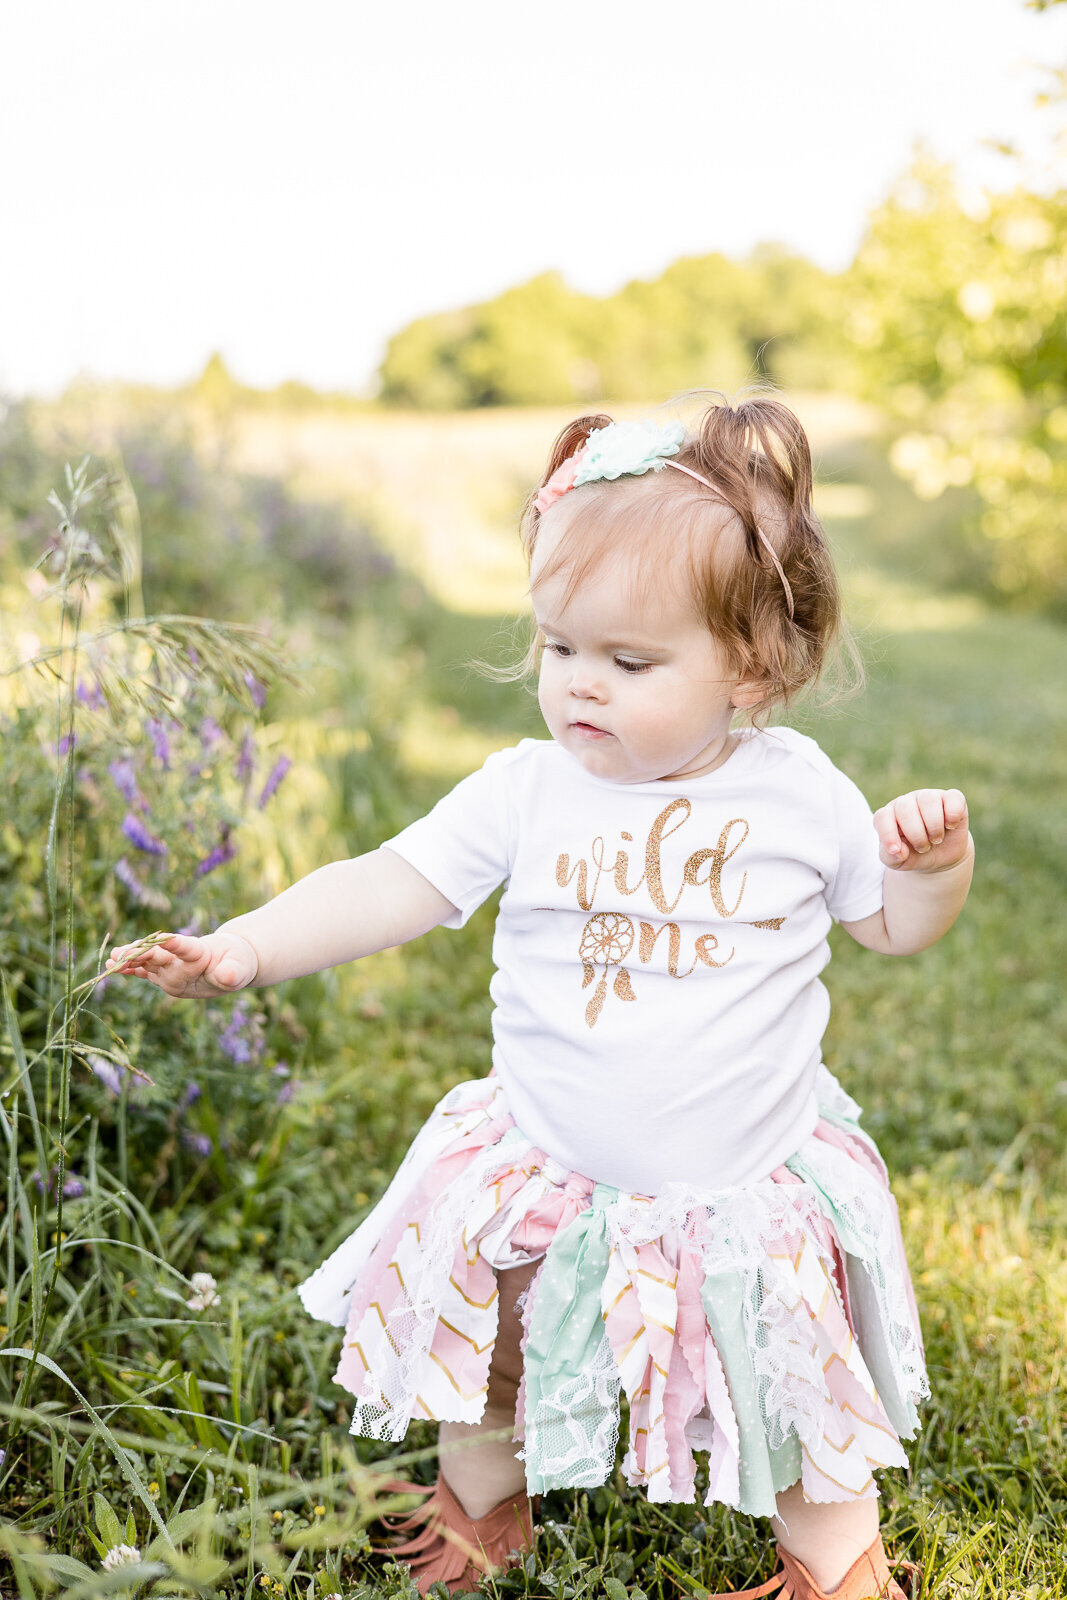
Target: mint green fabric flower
(628, 449)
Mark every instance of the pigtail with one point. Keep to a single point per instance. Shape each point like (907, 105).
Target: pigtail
(782, 600)
(759, 453)
(759, 449)
(568, 442)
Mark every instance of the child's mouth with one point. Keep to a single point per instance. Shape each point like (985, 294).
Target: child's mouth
(589, 730)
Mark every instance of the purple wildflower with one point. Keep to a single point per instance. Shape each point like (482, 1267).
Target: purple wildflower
(211, 735)
(257, 690)
(191, 1093)
(73, 1187)
(224, 851)
(277, 773)
(288, 1088)
(90, 694)
(240, 1039)
(198, 1143)
(124, 777)
(68, 741)
(35, 1177)
(246, 760)
(141, 892)
(232, 1042)
(138, 834)
(126, 875)
(160, 737)
(109, 1072)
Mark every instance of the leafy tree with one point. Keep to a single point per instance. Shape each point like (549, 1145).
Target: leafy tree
(707, 321)
(956, 313)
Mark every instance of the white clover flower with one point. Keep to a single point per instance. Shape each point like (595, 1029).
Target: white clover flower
(205, 1292)
(120, 1555)
(627, 449)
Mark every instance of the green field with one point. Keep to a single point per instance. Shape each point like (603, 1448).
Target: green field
(223, 1423)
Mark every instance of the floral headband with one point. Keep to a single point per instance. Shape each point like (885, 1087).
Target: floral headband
(628, 450)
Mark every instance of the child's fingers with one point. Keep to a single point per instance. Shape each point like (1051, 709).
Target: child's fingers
(182, 965)
(137, 964)
(955, 808)
(161, 954)
(930, 829)
(916, 820)
(901, 828)
(885, 826)
(187, 947)
(915, 828)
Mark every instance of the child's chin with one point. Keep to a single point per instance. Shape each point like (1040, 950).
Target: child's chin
(605, 761)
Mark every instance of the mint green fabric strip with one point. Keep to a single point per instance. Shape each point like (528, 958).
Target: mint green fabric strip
(851, 1242)
(764, 1470)
(565, 1335)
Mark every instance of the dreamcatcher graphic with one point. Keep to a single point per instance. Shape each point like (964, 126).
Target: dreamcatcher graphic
(606, 941)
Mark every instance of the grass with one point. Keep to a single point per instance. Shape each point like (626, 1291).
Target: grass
(222, 1425)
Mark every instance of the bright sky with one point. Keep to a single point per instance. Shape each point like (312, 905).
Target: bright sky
(291, 183)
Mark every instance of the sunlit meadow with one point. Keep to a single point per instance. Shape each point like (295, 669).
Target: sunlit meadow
(172, 1171)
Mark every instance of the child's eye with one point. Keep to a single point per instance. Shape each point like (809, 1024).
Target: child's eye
(558, 649)
(632, 666)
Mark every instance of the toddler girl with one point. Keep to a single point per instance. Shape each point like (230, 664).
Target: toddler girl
(659, 1191)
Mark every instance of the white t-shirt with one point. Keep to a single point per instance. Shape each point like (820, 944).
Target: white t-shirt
(659, 1012)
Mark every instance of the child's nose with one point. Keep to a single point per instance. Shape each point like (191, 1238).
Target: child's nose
(586, 683)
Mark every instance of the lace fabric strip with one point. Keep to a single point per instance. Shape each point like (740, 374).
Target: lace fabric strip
(771, 1326)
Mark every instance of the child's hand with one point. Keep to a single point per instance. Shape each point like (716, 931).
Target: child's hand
(189, 968)
(924, 831)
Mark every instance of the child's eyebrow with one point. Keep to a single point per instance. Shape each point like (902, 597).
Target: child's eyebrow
(620, 646)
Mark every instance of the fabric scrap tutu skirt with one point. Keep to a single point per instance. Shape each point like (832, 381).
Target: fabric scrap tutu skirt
(771, 1325)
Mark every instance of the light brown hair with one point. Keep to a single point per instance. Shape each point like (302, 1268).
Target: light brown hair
(757, 457)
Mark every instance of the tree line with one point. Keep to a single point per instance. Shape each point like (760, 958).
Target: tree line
(951, 318)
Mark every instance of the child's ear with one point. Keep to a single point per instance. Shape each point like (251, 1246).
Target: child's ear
(748, 693)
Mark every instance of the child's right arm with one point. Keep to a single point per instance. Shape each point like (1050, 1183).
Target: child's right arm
(339, 913)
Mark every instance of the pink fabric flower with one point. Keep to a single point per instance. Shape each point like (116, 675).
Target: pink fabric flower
(560, 482)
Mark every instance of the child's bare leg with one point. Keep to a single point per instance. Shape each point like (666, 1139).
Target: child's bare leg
(480, 1475)
(827, 1537)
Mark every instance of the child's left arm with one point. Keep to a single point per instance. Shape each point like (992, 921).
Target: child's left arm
(928, 854)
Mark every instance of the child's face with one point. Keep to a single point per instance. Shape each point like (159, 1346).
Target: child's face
(632, 683)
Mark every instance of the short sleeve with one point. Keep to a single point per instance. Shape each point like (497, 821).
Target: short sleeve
(464, 845)
(856, 890)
